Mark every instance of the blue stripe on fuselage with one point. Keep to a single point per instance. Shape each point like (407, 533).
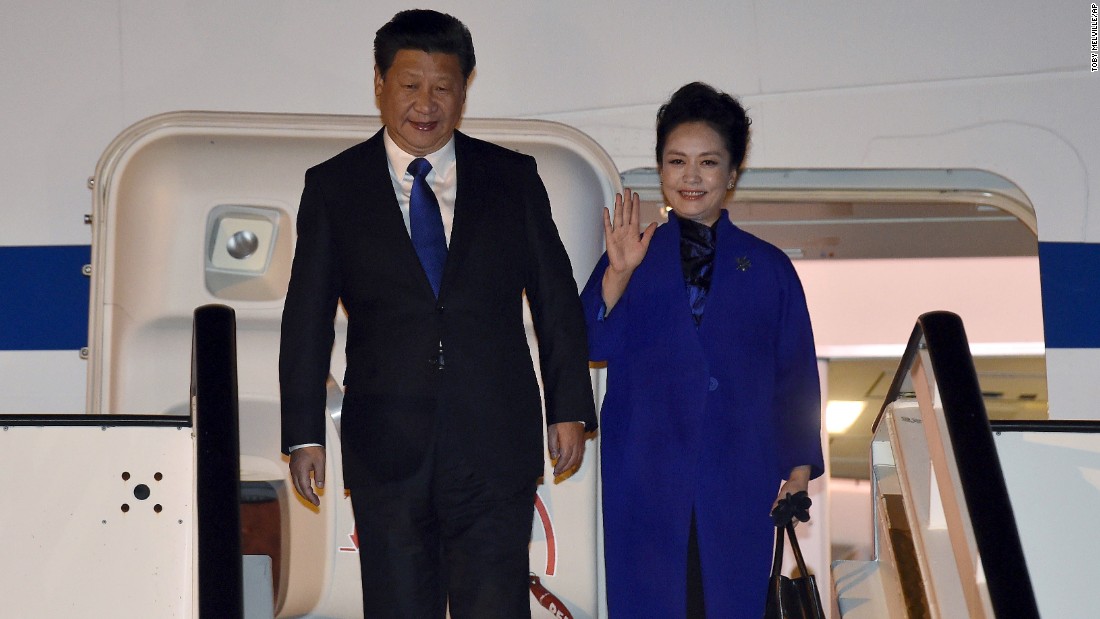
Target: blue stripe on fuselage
(44, 297)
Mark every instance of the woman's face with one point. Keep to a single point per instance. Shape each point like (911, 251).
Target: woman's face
(695, 172)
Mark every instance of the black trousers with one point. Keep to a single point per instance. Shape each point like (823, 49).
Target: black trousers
(695, 608)
(446, 536)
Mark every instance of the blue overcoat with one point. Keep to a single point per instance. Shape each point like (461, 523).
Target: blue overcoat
(710, 418)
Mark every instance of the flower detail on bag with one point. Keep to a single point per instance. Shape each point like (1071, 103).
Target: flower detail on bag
(796, 506)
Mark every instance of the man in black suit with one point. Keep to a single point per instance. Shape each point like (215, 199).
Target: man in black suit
(441, 425)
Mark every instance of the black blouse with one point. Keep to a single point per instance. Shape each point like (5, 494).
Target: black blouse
(697, 243)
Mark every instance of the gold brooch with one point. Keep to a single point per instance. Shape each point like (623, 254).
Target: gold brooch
(743, 263)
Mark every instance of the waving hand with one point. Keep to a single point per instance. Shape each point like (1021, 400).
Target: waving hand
(626, 244)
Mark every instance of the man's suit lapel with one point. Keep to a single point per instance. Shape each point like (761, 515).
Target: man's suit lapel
(372, 181)
(473, 179)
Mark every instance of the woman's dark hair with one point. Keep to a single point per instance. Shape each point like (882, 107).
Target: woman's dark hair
(699, 102)
(427, 31)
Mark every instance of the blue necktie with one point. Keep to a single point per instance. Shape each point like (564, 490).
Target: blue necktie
(426, 224)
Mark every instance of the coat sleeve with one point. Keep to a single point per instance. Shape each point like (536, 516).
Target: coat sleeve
(798, 388)
(556, 312)
(605, 330)
(307, 332)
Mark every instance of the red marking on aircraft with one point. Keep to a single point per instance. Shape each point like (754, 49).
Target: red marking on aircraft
(548, 600)
(548, 528)
(354, 536)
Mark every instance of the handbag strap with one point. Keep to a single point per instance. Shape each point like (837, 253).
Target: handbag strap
(777, 558)
(795, 549)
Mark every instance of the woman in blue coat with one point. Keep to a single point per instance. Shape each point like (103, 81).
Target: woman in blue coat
(712, 408)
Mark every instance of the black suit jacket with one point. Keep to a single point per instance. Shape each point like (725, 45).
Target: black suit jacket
(353, 247)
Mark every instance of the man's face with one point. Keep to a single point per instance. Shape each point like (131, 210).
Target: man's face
(421, 98)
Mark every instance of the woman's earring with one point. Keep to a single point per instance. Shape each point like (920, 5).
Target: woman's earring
(729, 185)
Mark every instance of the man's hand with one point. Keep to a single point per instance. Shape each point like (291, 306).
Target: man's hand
(566, 443)
(303, 461)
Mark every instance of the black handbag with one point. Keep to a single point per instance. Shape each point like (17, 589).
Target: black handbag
(791, 598)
